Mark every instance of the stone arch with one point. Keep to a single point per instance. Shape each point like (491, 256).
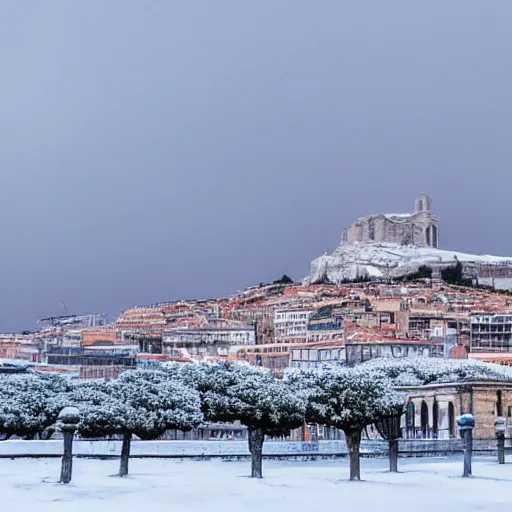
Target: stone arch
(425, 429)
(427, 236)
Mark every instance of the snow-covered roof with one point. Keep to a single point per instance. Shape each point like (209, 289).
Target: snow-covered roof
(402, 217)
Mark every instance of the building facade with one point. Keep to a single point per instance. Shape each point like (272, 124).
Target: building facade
(418, 228)
(491, 333)
(432, 410)
(291, 325)
(326, 324)
(313, 358)
(360, 352)
(206, 342)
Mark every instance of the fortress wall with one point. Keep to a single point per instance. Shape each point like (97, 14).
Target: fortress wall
(382, 230)
(419, 228)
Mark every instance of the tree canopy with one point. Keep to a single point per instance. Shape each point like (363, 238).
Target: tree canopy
(348, 399)
(422, 371)
(248, 394)
(141, 402)
(30, 403)
(284, 280)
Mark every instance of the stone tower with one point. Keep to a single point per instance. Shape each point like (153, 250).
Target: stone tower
(426, 225)
(423, 204)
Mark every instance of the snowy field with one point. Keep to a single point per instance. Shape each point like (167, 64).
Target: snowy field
(432, 485)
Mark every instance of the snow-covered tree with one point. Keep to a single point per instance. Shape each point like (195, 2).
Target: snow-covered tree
(144, 403)
(230, 392)
(30, 404)
(348, 399)
(422, 371)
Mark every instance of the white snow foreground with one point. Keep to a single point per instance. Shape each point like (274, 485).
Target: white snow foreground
(162, 485)
(352, 260)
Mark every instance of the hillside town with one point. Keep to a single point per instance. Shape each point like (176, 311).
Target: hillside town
(280, 325)
(301, 325)
(432, 311)
(255, 256)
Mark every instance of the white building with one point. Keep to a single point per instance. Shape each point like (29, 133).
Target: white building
(72, 338)
(291, 325)
(315, 358)
(491, 333)
(207, 341)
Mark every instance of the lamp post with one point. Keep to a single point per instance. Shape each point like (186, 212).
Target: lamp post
(500, 425)
(68, 421)
(466, 424)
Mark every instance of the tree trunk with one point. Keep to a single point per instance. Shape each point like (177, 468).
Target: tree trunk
(353, 441)
(256, 438)
(393, 455)
(125, 454)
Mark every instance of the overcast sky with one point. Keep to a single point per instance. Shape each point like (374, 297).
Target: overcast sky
(158, 150)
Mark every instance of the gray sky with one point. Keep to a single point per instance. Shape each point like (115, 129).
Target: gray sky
(157, 150)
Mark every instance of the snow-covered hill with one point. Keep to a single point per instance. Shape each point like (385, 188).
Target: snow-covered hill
(378, 260)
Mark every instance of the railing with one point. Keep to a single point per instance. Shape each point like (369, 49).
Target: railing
(239, 448)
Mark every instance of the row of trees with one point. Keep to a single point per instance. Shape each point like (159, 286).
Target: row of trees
(146, 403)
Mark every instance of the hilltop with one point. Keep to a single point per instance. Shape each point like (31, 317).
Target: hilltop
(351, 261)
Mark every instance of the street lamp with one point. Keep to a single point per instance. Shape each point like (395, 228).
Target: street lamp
(68, 420)
(466, 424)
(500, 425)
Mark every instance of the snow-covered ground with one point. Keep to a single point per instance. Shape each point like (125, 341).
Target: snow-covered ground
(425, 485)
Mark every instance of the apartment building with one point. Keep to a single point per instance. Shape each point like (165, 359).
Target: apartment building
(314, 358)
(359, 352)
(291, 325)
(207, 342)
(326, 324)
(491, 333)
